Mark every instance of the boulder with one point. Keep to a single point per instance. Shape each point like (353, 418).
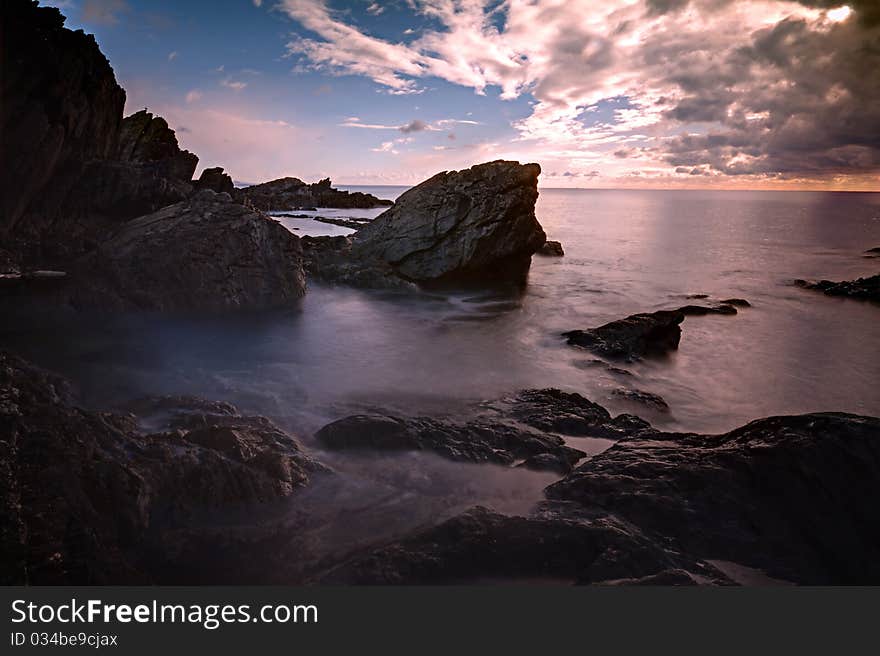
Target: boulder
(551, 249)
(215, 180)
(632, 338)
(459, 226)
(206, 253)
(87, 498)
(294, 194)
(477, 441)
(867, 289)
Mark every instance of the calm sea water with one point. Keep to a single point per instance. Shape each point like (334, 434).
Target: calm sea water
(626, 251)
(344, 350)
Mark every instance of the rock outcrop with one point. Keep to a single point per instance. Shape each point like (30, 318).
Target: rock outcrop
(551, 249)
(86, 497)
(645, 334)
(867, 289)
(477, 441)
(61, 109)
(215, 180)
(294, 194)
(74, 167)
(459, 226)
(206, 253)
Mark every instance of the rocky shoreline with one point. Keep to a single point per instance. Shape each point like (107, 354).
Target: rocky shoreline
(101, 213)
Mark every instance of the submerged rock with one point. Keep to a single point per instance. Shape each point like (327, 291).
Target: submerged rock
(207, 253)
(85, 497)
(648, 399)
(551, 249)
(862, 288)
(461, 226)
(294, 194)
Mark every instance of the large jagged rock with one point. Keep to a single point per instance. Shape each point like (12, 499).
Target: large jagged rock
(73, 168)
(87, 498)
(144, 138)
(476, 224)
(293, 193)
(216, 180)
(207, 253)
(61, 109)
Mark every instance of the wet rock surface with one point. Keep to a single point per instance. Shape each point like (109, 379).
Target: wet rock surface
(783, 499)
(207, 253)
(479, 441)
(867, 289)
(86, 496)
(646, 334)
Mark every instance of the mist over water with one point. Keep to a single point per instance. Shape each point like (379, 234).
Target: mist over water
(344, 350)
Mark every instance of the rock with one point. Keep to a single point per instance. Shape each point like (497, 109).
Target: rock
(62, 108)
(475, 225)
(74, 168)
(329, 260)
(353, 223)
(481, 546)
(551, 249)
(653, 401)
(554, 411)
(862, 288)
(294, 194)
(207, 253)
(478, 441)
(86, 498)
(702, 310)
(738, 302)
(873, 252)
(144, 138)
(632, 338)
(215, 180)
(646, 334)
(791, 496)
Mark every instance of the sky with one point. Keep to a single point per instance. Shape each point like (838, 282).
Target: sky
(720, 94)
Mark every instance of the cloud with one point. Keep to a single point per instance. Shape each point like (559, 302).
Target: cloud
(758, 88)
(374, 9)
(258, 3)
(172, 56)
(103, 12)
(414, 126)
(235, 85)
(193, 96)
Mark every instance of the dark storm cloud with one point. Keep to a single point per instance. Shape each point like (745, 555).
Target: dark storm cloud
(794, 99)
(414, 126)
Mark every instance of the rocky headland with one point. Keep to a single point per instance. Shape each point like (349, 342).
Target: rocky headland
(293, 194)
